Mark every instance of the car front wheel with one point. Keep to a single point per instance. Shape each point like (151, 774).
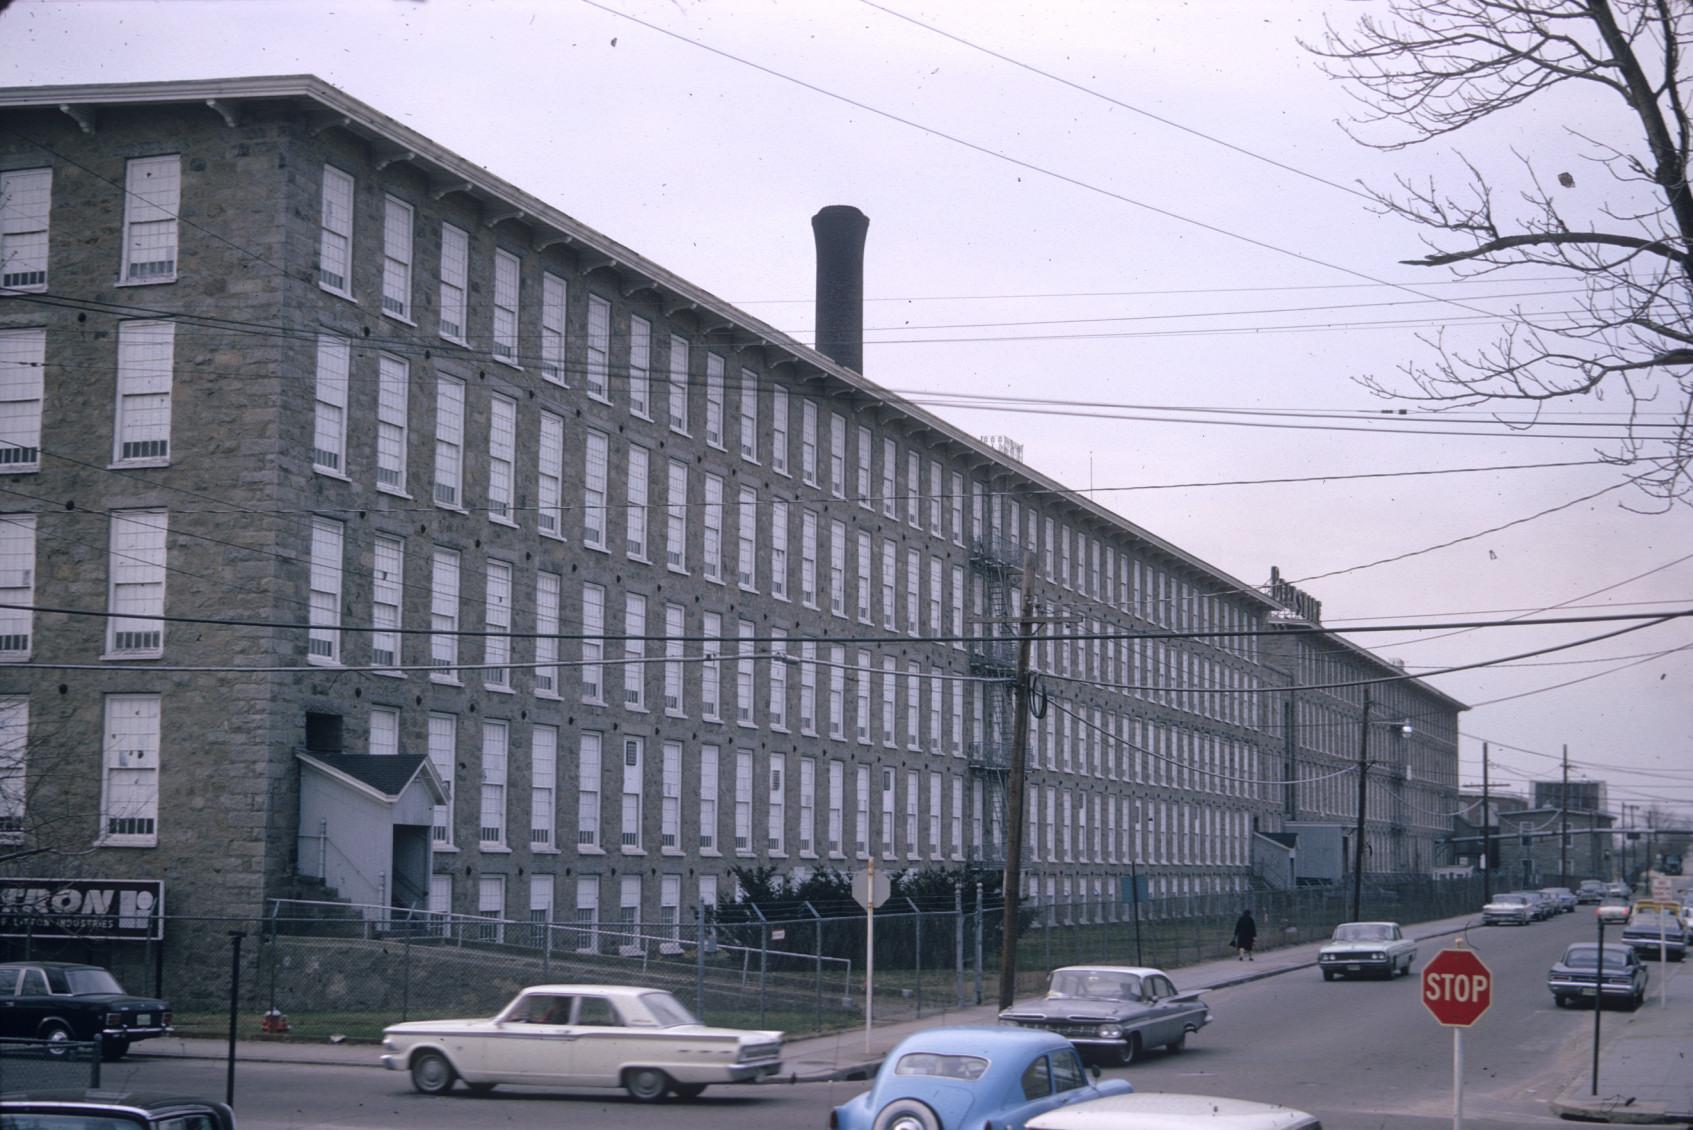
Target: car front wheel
(906, 1114)
(432, 1074)
(646, 1084)
(55, 1032)
(1126, 1052)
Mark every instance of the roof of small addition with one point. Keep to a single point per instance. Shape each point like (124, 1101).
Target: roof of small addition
(387, 775)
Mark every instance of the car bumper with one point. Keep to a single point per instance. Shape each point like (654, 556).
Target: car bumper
(1651, 947)
(752, 1072)
(133, 1034)
(1585, 989)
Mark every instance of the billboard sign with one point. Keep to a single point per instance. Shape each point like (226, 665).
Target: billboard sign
(125, 909)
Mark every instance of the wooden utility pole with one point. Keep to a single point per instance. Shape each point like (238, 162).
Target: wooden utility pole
(1564, 824)
(1016, 811)
(1486, 832)
(1363, 799)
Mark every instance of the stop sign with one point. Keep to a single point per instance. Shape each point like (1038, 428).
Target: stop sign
(1457, 988)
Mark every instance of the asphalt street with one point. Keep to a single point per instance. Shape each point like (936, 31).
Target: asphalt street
(1359, 1054)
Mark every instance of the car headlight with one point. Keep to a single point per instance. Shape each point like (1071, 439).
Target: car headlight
(1378, 957)
(1110, 1032)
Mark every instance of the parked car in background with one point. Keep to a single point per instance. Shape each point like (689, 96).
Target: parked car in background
(1590, 890)
(1654, 929)
(1509, 909)
(970, 1078)
(1373, 949)
(1545, 906)
(1612, 909)
(1619, 891)
(111, 1110)
(642, 1040)
(1563, 897)
(1578, 975)
(59, 1000)
(1153, 1110)
(1113, 1012)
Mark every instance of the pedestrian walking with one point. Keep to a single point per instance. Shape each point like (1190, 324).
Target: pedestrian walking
(1245, 935)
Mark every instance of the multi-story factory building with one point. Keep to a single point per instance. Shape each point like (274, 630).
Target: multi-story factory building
(368, 519)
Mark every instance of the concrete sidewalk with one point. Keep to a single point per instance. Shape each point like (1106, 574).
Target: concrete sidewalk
(1645, 1059)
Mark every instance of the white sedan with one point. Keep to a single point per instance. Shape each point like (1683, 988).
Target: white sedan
(1376, 949)
(642, 1040)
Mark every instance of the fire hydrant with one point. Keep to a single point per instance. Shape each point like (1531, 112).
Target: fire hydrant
(274, 1022)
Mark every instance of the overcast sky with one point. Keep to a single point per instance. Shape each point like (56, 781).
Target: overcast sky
(1047, 237)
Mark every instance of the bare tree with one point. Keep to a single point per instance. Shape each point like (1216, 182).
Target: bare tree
(1430, 69)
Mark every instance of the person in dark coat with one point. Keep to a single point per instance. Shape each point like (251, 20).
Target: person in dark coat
(1245, 935)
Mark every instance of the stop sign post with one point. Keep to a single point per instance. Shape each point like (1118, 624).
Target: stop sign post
(1457, 989)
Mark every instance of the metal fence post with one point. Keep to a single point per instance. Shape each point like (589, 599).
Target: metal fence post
(763, 968)
(917, 931)
(699, 966)
(958, 946)
(978, 943)
(817, 962)
(405, 976)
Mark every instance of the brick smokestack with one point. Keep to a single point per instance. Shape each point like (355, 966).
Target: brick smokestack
(839, 231)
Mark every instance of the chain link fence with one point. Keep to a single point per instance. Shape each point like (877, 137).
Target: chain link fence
(324, 969)
(43, 1065)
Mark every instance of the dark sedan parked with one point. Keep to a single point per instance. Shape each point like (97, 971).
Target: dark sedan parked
(1577, 975)
(1113, 1012)
(111, 1110)
(56, 1000)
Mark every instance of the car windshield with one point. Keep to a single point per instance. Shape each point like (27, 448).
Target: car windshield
(667, 1010)
(1363, 932)
(945, 1066)
(82, 981)
(1094, 984)
(1583, 957)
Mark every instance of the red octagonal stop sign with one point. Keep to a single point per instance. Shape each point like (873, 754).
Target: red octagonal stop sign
(1457, 988)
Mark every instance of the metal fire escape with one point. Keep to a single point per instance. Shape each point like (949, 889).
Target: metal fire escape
(994, 655)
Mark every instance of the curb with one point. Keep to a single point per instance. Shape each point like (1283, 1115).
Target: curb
(1589, 1108)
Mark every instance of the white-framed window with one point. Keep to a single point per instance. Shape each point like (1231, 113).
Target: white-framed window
(779, 429)
(837, 455)
(808, 441)
(455, 282)
(634, 651)
(837, 693)
(17, 587)
(779, 549)
(913, 582)
(670, 799)
(862, 563)
(861, 472)
(746, 558)
(129, 801)
(491, 907)
(324, 638)
(978, 796)
(137, 578)
(635, 532)
(23, 361)
(146, 356)
(808, 806)
(913, 706)
(507, 284)
(776, 839)
(714, 369)
(676, 517)
(26, 197)
(956, 823)
(640, 367)
(496, 644)
(593, 643)
(329, 423)
(778, 679)
(678, 384)
(837, 569)
(890, 471)
(935, 597)
(956, 497)
(549, 605)
(744, 665)
(444, 616)
(955, 734)
(934, 815)
(587, 914)
(890, 832)
(443, 755)
(599, 348)
(629, 913)
(890, 611)
(152, 192)
(749, 415)
(836, 828)
(555, 293)
(335, 241)
(937, 504)
(808, 688)
(711, 669)
(549, 476)
(396, 258)
(393, 390)
(502, 458)
(957, 595)
(861, 812)
(541, 900)
(670, 908)
(890, 691)
(449, 442)
(808, 558)
(708, 799)
(711, 538)
(596, 453)
(743, 802)
(861, 699)
(14, 781)
(913, 489)
(588, 777)
(495, 757)
(674, 702)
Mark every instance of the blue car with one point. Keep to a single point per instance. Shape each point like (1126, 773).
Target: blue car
(973, 1079)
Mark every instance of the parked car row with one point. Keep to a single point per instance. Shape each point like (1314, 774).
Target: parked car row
(1519, 908)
